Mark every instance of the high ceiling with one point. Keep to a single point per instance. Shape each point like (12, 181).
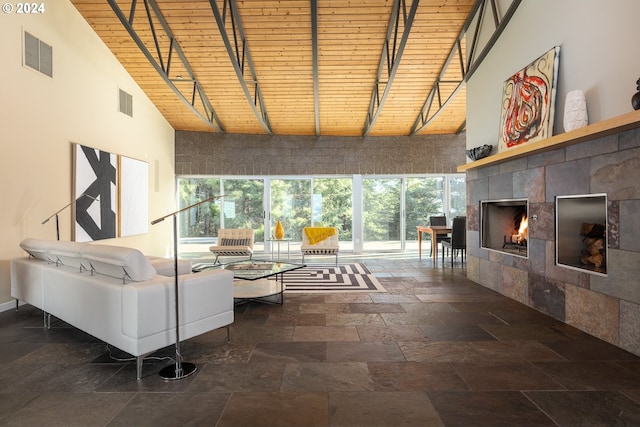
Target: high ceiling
(294, 67)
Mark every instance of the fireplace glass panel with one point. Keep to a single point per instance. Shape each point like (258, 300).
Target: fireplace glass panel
(581, 234)
(503, 226)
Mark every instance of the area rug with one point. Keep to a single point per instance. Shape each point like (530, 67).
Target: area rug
(314, 278)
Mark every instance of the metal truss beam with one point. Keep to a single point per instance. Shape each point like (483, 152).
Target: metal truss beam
(467, 66)
(390, 58)
(314, 46)
(241, 57)
(163, 66)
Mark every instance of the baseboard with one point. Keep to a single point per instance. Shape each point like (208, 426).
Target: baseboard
(6, 306)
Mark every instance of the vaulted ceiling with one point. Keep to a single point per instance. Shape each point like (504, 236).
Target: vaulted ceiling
(297, 67)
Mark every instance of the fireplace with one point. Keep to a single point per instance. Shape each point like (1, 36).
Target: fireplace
(504, 226)
(581, 232)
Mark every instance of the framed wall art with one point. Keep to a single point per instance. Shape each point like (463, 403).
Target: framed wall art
(528, 99)
(134, 196)
(94, 187)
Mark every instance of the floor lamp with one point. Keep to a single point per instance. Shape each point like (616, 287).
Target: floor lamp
(63, 208)
(180, 369)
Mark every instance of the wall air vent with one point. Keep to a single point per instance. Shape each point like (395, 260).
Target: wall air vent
(38, 55)
(126, 102)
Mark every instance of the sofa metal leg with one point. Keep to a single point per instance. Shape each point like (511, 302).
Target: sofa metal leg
(17, 304)
(46, 318)
(139, 360)
(228, 334)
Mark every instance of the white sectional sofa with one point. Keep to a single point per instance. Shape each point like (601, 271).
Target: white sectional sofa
(116, 294)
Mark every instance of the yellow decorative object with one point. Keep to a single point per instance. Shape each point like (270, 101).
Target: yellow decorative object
(278, 233)
(318, 234)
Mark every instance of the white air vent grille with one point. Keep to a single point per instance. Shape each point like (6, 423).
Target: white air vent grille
(38, 55)
(126, 103)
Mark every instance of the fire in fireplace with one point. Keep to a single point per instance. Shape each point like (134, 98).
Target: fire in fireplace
(504, 226)
(520, 238)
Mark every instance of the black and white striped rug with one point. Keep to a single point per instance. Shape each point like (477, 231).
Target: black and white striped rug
(332, 278)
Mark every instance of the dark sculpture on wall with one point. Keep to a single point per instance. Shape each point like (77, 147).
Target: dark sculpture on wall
(635, 99)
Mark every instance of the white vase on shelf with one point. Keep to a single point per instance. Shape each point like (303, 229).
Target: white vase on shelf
(575, 111)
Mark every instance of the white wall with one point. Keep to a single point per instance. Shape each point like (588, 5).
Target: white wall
(40, 117)
(598, 54)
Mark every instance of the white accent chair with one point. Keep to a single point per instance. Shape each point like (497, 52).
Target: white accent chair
(233, 242)
(328, 246)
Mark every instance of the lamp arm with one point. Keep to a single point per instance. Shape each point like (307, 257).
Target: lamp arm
(67, 205)
(157, 220)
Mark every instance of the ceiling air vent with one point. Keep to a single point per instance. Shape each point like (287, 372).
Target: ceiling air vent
(38, 55)
(126, 103)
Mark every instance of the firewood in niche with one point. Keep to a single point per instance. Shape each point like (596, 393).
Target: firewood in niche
(594, 242)
(593, 230)
(594, 253)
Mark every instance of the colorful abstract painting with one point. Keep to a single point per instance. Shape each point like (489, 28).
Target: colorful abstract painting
(528, 100)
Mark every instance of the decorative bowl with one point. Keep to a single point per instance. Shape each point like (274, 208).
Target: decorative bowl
(478, 153)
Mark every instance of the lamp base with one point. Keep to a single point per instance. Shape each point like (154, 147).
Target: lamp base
(177, 371)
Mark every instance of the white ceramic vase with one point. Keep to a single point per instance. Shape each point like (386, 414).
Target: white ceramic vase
(575, 111)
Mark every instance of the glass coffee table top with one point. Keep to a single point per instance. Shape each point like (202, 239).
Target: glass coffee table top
(252, 280)
(254, 270)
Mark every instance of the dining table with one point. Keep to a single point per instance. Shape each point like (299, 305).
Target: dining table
(434, 231)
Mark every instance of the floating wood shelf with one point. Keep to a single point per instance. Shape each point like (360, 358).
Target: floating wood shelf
(596, 130)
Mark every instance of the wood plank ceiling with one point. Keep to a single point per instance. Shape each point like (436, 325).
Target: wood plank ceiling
(301, 67)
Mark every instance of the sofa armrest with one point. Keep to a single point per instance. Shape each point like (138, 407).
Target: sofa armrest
(166, 266)
(149, 309)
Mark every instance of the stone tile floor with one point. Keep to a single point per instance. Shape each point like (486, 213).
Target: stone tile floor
(436, 350)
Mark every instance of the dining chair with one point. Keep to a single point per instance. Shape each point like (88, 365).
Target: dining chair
(458, 242)
(439, 220)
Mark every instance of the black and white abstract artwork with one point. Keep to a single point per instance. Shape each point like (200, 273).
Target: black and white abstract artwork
(134, 196)
(95, 189)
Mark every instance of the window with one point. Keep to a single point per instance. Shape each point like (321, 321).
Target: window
(203, 221)
(332, 205)
(424, 197)
(381, 213)
(371, 213)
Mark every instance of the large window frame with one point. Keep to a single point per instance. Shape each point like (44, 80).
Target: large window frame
(449, 199)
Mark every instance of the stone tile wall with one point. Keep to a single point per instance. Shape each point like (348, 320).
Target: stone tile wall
(202, 153)
(606, 307)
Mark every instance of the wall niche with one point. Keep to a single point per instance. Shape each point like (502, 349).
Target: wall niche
(581, 232)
